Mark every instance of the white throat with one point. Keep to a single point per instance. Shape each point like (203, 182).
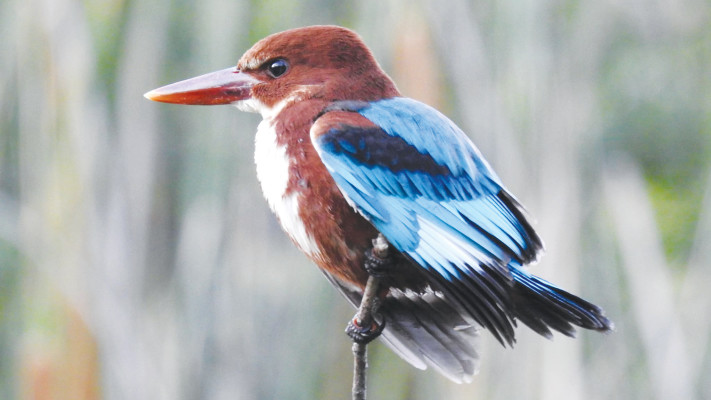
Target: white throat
(254, 105)
(273, 172)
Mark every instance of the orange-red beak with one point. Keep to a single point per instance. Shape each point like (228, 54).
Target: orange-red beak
(220, 87)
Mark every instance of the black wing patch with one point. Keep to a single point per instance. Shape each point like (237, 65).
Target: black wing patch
(374, 147)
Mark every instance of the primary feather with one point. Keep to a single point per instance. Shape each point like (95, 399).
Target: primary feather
(424, 185)
(379, 163)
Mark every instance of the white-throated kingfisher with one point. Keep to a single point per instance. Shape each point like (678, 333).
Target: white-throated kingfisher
(341, 157)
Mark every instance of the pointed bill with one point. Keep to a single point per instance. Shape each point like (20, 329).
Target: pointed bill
(220, 87)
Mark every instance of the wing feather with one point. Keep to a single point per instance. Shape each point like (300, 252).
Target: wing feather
(422, 183)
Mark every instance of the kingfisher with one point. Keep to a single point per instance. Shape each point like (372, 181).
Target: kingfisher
(342, 157)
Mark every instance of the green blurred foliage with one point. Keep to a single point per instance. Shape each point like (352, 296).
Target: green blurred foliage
(655, 99)
(146, 220)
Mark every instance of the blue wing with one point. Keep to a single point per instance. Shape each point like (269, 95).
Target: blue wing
(424, 185)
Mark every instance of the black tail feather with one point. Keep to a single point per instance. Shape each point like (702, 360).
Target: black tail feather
(542, 306)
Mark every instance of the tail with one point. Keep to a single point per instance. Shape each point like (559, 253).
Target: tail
(542, 306)
(429, 329)
(426, 330)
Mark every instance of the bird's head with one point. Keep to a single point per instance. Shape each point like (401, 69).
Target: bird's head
(317, 62)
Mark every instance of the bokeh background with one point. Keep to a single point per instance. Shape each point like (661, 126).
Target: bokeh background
(139, 261)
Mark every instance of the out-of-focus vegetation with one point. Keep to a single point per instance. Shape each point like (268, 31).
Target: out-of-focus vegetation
(138, 260)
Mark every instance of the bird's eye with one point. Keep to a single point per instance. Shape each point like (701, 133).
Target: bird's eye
(277, 68)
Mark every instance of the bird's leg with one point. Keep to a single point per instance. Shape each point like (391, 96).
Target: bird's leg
(364, 334)
(379, 262)
(364, 327)
(376, 266)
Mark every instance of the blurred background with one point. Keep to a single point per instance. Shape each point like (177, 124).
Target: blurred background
(138, 259)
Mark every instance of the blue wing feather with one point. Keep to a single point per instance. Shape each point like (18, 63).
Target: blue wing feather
(425, 128)
(432, 169)
(424, 185)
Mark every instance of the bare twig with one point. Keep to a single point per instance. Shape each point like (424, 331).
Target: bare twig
(360, 365)
(365, 317)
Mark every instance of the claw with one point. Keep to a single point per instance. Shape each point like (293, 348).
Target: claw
(377, 266)
(363, 335)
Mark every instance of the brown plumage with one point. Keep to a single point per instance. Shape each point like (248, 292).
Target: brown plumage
(460, 238)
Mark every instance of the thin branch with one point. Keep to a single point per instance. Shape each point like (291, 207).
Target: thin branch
(365, 318)
(360, 365)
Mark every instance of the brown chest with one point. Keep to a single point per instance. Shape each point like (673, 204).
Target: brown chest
(306, 200)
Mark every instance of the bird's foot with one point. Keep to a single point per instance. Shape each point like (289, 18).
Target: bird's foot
(378, 266)
(364, 335)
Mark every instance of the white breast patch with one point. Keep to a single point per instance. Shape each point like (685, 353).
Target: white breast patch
(273, 174)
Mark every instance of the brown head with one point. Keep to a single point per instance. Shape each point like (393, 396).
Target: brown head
(325, 62)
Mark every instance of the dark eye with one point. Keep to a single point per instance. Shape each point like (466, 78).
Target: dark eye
(277, 68)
